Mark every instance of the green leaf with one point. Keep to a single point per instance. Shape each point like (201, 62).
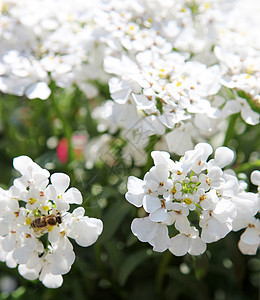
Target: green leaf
(113, 218)
(131, 263)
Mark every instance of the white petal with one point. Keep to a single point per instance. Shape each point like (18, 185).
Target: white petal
(50, 192)
(142, 102)
(89, 230)
(61, 263)
(151, 204)
(30, 274)
(112, 65)
(73, 195)
(38, 90)
(197, 246)
(250, 117)
(21, 163)
(62, 205)
(136, 200)
(54, 234)
(250, 236)
(160, 215)
(161, 240)
(225, 210)
(135, 185)
(30, 244)
(231, 107)
(8, 242)
(160, 157)
(223, 156)
(60, 181)
(207, 150)
(21, 255)
(10, 262)
(179, 245)
(143, 228)
(4, 227)
(215, 231)
(50, 280)
(247, 249)
(184, 141)
(78, 212)
(255, 177)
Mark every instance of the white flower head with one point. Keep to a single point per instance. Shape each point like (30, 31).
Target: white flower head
(175, 193)
(45, 214)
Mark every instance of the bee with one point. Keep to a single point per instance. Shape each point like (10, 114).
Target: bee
(44, 222)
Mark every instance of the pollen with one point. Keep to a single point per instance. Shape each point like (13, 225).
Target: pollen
(32, 201)
(179, 83)
(173, 190)
(203, 197)
(27, 235)
(161, 184)
(28, 221)
(62, 233)
(179, 172)
(208, 181)
(207, 5)
(16, 214)
(46, 207)
(41, 193)
(162, 203)
(187, 201)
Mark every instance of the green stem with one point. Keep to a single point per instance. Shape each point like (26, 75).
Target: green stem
(247, 166)
(66, 127)
(162, 270)
(230, 130)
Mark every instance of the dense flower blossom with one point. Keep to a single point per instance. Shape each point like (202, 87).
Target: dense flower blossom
(36, 224)
(194, 195)
(250, 238)
(169, 62)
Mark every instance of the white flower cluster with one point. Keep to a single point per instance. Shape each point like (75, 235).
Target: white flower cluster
(169, 59)
(35, 225)
(250, 239)
(48, 40)
(192, 202)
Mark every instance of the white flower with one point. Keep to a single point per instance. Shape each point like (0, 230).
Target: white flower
(250, 239)
(136, 191)
(155, 234)
(174, 193)
(83, 229)
(187, 242)
(45, 214)
(32, 174)
(57, 192)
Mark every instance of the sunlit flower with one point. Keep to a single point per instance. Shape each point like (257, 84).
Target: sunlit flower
(45, 214)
